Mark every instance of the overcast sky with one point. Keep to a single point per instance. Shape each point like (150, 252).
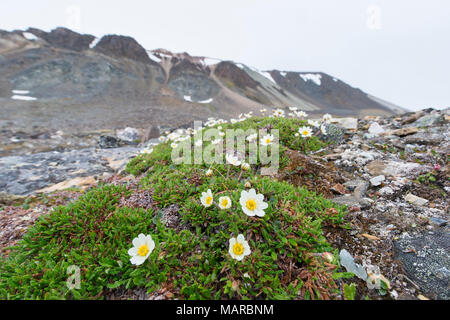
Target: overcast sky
(397, 50)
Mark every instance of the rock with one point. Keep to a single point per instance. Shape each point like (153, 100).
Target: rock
(347, 123)
(22, 175)
(356, 157)
(108, 142)
(425, 138)
(338, 188)
(79, 182)
(429, 266)
(376, 181)
(394, 168)
(128, 134)
(438, 222)
(403, 132)
(151, 133)
(375, 129)
(418, 201)
(349, 264)
(386, 191)
(428, 120)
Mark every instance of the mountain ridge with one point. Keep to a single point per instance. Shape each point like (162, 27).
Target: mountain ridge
(65, 68)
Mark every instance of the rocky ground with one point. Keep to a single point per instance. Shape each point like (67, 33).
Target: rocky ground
(392, 172)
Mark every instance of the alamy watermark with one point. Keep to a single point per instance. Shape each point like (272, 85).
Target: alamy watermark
(74, 281)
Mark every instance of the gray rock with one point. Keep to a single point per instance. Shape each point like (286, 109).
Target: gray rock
(375, 129)
(418, 201)
(108, 142)
(349, 264)
(22, 175)
(128, 134)
(424, 138)
(429, 267)
(428, 120)
(376, 181)
(438, 222)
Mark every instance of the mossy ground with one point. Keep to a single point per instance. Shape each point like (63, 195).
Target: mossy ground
(95, 233)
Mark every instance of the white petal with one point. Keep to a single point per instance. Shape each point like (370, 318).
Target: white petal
(240, 238)
(247, 250)
(137, 242)
(248, 212)
(133, 251)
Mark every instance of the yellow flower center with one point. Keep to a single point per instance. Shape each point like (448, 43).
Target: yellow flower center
(268, 140)
(209, 200)
(224, 202)
(143, 250)
(305, 133)
(238, 249)
(251, 204)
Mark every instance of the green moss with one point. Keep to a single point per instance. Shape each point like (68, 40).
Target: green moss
(95, 234)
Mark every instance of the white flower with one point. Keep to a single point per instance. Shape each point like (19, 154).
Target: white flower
(301, 114)
(209, 173)
(253, 204)
(278, 113)
(252, 137)
(327, 118)
(233, 121)
(142, 247)
(207, 198)
(198, 143)
(323, 129)
(293, 108)
(232, 160)
(297, 134)
(305, 132)
(174, 145)
(267, 140)
(314, 123)
(161, 139)
(224, 203)
(263, 110)
(221, 133)
(217, 141)
(245, 166)
(239, 248)
(146, 150)
(219, 127)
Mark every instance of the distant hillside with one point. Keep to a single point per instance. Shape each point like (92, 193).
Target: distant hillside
(114, 80)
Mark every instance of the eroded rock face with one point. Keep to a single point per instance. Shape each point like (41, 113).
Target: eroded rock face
(64, 38)
(123, 47)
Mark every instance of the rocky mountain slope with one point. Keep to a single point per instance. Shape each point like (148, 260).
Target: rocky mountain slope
(65, 79)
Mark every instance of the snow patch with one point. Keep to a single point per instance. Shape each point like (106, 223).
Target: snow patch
(94, 43)
(283, 74)
(316, 78)
(20, 91)
(267, 75)
(188, 98)
(24, 98)
(210, 61)
(153, 57)
(29, 36)
(207, 101)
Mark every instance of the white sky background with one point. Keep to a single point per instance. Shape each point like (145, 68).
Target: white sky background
(401, 55)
